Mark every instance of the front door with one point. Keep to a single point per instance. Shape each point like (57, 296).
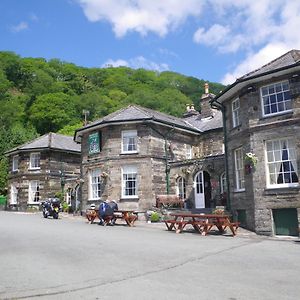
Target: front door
(199, 190)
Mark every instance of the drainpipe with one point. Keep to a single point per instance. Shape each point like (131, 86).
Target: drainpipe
(221, 107)
(167, 166)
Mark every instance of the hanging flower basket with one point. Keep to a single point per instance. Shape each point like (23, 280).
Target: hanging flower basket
(250, 162)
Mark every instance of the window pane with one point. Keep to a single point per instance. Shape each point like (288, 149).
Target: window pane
(275, 94)
(282, 170)
(129, 181)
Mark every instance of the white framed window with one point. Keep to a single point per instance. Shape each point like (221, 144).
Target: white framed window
(189, 152)
(129, 141)
(15, 163)
(235, 112)
(281, 163)
(35, 160)
(95, 184)
(239, 170)
(276, 98)
(34, 191)
(223, 183)
(129, 182)
(13, 194)
(181, 187)
(68, 196)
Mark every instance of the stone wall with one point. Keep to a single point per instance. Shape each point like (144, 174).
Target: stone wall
(52, 164)
(257, 200)
(157, 146)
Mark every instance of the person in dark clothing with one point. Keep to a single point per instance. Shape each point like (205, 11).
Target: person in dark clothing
(104, 211)
(114, 206)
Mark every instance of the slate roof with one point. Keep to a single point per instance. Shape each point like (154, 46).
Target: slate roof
(206, 124)
(51, 141)
(288, 59)
(138, 113)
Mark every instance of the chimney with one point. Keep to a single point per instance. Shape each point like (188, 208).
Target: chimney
(206, 110)
(206, 88)
(190, 111)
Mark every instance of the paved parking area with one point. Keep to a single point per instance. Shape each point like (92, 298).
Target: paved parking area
(71, 259)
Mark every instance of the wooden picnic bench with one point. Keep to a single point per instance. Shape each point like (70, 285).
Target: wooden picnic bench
(127, 215)
(202, 223)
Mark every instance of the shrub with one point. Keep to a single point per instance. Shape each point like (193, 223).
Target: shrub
(155, 217)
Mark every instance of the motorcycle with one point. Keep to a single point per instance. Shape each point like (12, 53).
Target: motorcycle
(51, 208)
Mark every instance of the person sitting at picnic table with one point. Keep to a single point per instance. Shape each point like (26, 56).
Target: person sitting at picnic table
(104, 211)
(114, 206)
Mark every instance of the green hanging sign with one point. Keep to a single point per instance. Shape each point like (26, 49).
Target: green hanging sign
(94, 143)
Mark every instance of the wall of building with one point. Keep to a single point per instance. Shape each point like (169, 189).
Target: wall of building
(52, 164)
(257, 200)
(156, 146)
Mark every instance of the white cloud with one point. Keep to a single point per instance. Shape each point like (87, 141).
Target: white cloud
(19, 27)
(115, 63)
(136, 63)
(255, 61)
(142, 16)
(216, 34)
(263, 30)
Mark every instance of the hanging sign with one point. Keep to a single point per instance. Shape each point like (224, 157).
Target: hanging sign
(94, 143)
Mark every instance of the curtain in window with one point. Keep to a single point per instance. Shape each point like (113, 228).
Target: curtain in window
(287, 173)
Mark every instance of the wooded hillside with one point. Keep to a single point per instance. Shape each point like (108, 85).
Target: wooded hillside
(38, 96)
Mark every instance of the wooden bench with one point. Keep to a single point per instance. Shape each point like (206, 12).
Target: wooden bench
(168, 201)
(176, 224)
(128, 216)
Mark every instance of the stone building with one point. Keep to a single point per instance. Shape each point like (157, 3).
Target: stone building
(262, 117)
(136, 153)
(41, 168)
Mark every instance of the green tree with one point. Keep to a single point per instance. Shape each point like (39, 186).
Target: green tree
(70, 129)
(51, 112)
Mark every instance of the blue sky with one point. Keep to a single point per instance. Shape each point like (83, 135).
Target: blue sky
(216, 40)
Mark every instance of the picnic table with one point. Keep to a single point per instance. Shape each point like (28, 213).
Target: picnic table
(202, 223)
(128, 216)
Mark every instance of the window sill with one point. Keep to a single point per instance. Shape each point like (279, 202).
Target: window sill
(34, 169)
(282, 190)
(239, 191)
(129, 199)
(33, 203)
(286, 112)
(129, 152)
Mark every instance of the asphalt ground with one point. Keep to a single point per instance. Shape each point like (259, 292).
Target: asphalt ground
(71, 259)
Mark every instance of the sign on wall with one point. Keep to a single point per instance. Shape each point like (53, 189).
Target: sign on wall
(94, 143)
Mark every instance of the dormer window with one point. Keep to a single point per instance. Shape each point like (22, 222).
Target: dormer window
(15, 163)
(129, 141)
(276, 98)
(35, 161)
(236, 113)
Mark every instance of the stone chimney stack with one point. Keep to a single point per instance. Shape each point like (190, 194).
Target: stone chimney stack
(190, 111)
(206, 110)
